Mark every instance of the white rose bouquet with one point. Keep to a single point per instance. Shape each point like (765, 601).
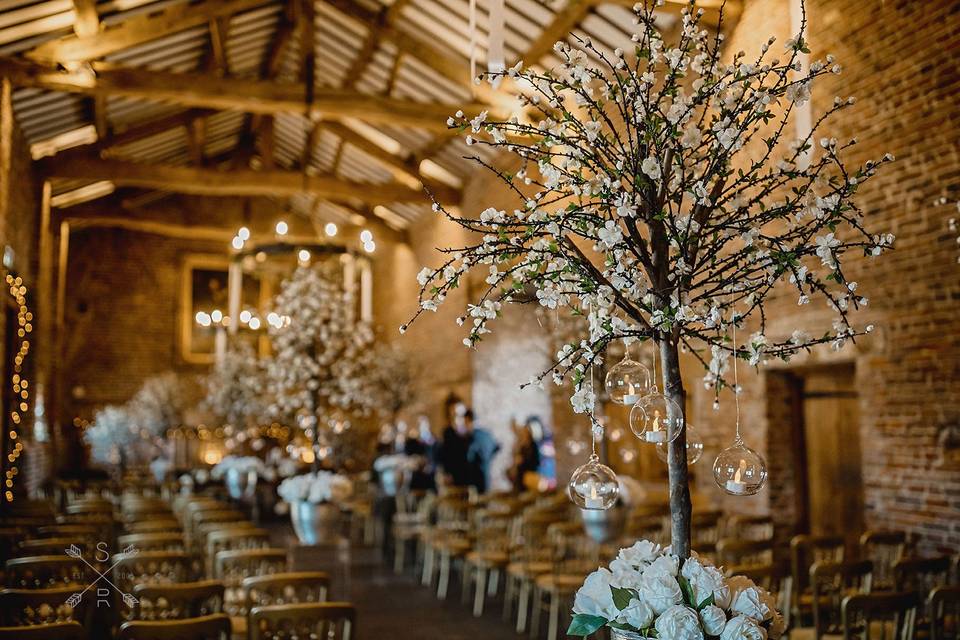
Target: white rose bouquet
(650, 592)
(317, 488)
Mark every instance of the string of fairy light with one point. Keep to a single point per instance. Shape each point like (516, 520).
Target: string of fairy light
(19, 382)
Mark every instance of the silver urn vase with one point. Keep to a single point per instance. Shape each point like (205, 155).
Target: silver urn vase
(315, 523)
(241, 485)
(604, 525)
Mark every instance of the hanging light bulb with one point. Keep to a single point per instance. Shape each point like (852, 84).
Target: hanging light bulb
(627, 381)
(594, 486)
(739, 470)
(694, 447)
(650, 418)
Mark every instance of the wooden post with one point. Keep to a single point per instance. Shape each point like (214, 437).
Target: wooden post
(45, 324)
(680, 507)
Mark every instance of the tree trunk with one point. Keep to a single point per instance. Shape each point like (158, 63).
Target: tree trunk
(315, 401)
(680, 507)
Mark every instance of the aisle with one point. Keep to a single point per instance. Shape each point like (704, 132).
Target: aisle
(398, 607)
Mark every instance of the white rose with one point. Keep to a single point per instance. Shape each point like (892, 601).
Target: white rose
(713, 620)
(664, 565)
(594, 597)
(749, 602)
(679, 623)
(661, 591)
(624, 575)
(638, 615)
(735, 585)
(743, 628)
(705, 581)
(641, 553)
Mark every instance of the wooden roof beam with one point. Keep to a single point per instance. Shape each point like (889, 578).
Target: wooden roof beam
(87, 22)
(138, 30)
(253, 96)
(237, 182)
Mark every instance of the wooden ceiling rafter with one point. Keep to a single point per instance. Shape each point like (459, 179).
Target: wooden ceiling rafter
(240, 182)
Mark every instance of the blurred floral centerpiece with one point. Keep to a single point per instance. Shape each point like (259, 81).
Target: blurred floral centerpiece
(314, 499)
(240, 474)
(649, 593)
(113, 438)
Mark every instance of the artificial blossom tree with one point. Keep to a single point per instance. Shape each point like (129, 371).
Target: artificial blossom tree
(662, 195)
(321, 351)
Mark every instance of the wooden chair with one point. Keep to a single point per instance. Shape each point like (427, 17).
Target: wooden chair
(234, 539)
(205, 529)
(830, 583)
(232, 567)
(531, 556)
(750, 527)
(200, 518)
(805, 551)
(329, 620)
(152, 526)
(212, 627)
(412, 517)
(943, 607)
(576, 557)
(43, 572)
(643, 526)
(57, 631)
(69, 531)
(22, 607)
(733, 551)
(884, 549)
(178, 601)
(489, 558)
(54, 546)
(867, 616)
(293, 587)
(152, 541)
(152, 568)
(920, 575)
(705, 526)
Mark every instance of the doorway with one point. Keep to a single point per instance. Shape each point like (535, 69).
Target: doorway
(831, 436)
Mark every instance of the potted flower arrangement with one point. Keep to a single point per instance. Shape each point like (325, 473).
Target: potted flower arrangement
(391, 470)
(647, 592)
(240, 474)
(314, 499)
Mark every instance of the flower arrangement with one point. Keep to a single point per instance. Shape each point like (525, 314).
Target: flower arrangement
(663, 193)
(236, 386)
(112, 436)
(321, 361)
(159, 405)
(651, 593)
(241, 464)
(317, 487)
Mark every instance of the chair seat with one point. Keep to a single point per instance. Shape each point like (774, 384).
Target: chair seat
(560, 582)
(454, 547)
(238, 627)
(529, 569)
(488, 558)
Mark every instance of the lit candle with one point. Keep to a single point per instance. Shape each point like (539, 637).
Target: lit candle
(655, 434)
(737, 485)
(593, 500)
(631, 397)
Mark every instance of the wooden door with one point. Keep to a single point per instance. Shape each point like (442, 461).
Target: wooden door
(834, 464)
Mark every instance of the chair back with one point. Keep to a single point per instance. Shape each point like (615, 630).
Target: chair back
(20, 607)
(643, 526)
(884, 549)
(152, 526)
(69, 531)
(178, 601)
(705, 526)
(920, 575)
(830, 583)
(734, 551)
(943, 606)
(232, 567)
(152, 541)
(750, 527)
(285, 588)
(44, 572)
(54, 546)
(153, 568)
(884, 616)
(329, 620)
(57, 631)
(805, 551)
(212, 627)
(234, 539)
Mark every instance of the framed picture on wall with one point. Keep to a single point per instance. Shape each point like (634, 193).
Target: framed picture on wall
(203, 282)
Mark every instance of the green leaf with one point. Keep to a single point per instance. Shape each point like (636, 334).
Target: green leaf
(709, 600)
(622, 597)
(583, 624)
(687, 591)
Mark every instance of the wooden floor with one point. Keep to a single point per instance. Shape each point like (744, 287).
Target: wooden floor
(397, 607)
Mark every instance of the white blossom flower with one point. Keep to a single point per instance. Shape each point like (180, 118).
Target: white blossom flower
(594, 598)
(743, 628)
(637, 614)
(713, 619)
(651, 167)
(679, 623)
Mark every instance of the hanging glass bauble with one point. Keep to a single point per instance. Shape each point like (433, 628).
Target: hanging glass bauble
(694, 447)
(739, 470)
(594, 486)
(627, 382)
(650, 418)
